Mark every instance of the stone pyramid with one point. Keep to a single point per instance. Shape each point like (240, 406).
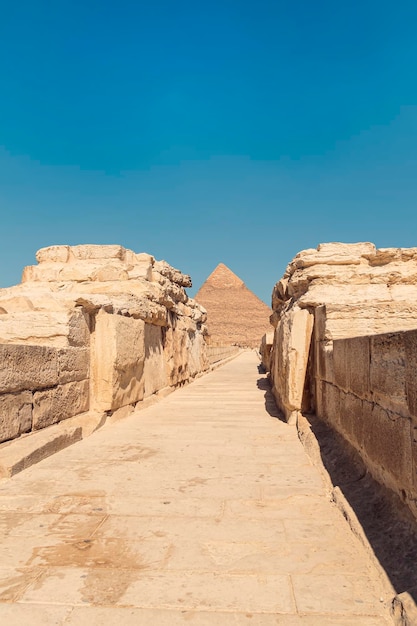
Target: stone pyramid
(235, 314)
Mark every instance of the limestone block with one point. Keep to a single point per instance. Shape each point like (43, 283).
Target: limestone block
(93, 270)
(298, 356)
(358, 361)
(197, 360)
(350, 422)
(54, 254)
(344, 320)
(388, 372)
(291, 353)
(46, 272)
(383, 256)
(414, 466)
(267, 342)
(117, 361)
(346, 294)
(15, 414)
(73, 364)
(110, 271)
(26, 367)
(324, 367)
(361, 248)
(406, 294)
(61, 402)
(351, 361)
(137, 307)
(172, 274)
(93, 252)
(54, 328)
(176, 356)
(387, 441)
(332, 254)
(410, 347)
(16, 304)
(78, 328)
(328, 403)
(155, 375)
(139, 265)
(320, 316)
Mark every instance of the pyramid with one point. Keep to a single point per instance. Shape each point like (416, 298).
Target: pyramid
(235, 316)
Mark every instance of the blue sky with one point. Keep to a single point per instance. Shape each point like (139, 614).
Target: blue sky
(203, 132)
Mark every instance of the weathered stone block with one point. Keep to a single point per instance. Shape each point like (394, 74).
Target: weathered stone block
(45, 273)
(73, 364)
(61, 402)
(414, 462)
(196, 351)
(387, 442)
(324, 361)
(358, 356)
(320, 323)
(351, 423)
(351, 365)
(328, 405)
(155, 375)
(54, 254)
(27, 367)
(410, 347)
(54, 328)
(299, 349)
(92, 252)
(79, 331)
(388, 373)
(16, 304)
(15, 414)
(340, 365)
(117, 362)
(110, 272)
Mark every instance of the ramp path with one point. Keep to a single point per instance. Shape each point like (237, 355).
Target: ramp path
(202, 509)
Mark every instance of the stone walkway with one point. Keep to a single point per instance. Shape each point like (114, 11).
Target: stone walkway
(202, 509)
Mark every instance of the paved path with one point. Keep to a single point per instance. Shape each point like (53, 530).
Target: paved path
(202, 510)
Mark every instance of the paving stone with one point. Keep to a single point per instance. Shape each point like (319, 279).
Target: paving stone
(201, 509)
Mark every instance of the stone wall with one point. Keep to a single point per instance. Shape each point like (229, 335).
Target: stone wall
(265, 350)
(369, 395)
(218, 353)
(345, 318)
(93, 328)
(336, 291)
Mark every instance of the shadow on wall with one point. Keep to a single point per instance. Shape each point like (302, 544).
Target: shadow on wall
(386, 521)
(270, 405)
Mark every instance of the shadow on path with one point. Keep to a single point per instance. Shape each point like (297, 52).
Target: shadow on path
(388, 524)
(270, 405)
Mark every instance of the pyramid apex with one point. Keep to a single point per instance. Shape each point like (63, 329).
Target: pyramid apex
(222, 277)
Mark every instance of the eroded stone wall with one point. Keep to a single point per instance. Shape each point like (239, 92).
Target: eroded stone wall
(345, 339)
(336, 291)
(370, 397)
(93, 328)
(218, 353)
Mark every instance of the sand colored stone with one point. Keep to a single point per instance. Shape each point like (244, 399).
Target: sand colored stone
(202, 509)
(344, 348)
(94, 328)
(235, 314)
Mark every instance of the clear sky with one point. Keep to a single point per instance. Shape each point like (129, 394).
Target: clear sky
(234, 131)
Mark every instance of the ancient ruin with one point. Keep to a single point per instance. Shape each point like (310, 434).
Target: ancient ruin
(92, 330)
(236, 316)
(345, 318)
(204, 504)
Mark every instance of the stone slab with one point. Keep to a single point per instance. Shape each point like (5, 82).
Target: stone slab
(27, 367)
(202, 507)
